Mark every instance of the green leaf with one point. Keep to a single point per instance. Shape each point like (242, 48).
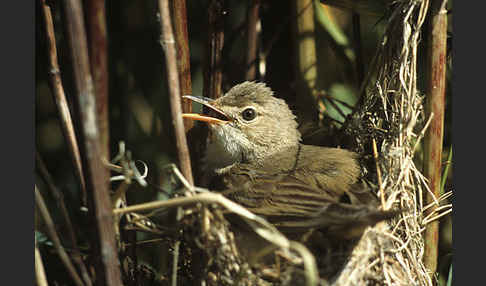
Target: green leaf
(446, 171)
(334, 31)
(341, 93)
(42, 239)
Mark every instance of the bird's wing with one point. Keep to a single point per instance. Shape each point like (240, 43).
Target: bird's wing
(268, 193)
(295, 204)
(337, 172)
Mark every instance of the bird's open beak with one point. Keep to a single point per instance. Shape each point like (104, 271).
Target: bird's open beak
(208, 119)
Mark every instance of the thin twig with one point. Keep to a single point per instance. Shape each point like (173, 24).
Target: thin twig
(57, 89)
(40, 273)
(434, 203)
(431, 218)
(309, 261)
(51, 230)
(252, 20)
(168, 43)
(175, 262)
(378, 174)
(444, 213)
(212, 88)
(57, 194)
(147, 241)
(96, 174)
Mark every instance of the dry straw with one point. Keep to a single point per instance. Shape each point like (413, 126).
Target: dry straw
(391, 112)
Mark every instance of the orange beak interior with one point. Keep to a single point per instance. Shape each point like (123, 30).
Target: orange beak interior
(204, 118)
(207, 119)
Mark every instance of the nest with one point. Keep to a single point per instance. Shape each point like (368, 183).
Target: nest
(389, 120)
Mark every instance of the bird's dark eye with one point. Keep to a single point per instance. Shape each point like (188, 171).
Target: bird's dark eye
(248, 114)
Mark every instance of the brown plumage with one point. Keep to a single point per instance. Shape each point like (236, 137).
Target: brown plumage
(255, 158)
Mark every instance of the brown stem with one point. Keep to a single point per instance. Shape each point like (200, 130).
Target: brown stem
(96, 28)
(252, 43)
(213, 76)
(435, 102)
(51, 230)
(212, 73)
(57, 89)
(96, 174)
(57, 194)
(178, 11)
(212, 88)
(168, 43)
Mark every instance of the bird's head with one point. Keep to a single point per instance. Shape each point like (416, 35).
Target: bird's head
(247, 124)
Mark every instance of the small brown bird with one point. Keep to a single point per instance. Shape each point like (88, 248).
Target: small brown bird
(255, 158)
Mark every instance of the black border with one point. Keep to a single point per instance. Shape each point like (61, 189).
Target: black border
(468, 125)
(17, 117)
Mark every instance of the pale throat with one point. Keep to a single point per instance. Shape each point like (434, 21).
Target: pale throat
(222, 151)
(226, 147)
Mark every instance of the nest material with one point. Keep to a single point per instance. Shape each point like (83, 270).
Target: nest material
(392, 115)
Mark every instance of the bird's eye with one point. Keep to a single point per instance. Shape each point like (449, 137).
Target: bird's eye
(248, 114)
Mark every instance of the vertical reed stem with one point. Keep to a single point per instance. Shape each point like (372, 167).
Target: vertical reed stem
(435, 102)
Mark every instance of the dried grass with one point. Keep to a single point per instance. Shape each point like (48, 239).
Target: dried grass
(392, 113)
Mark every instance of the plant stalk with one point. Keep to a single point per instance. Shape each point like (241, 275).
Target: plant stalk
(179, 15)
(96, 174)
(213, 76)
(98, 49)
(435, 106)
(252, 39)
(55, 84)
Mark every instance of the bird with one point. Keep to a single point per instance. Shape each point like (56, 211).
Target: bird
(255, 157)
